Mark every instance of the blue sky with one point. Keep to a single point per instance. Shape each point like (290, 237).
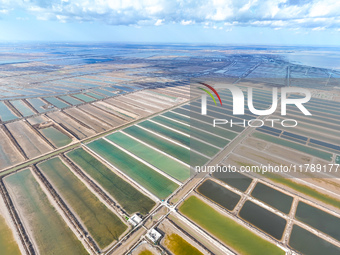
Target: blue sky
(282, 22)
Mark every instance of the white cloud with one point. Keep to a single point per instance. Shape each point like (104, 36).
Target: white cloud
(269, 13)
(325, 8)
(187, 22)
(319, 28)
(159, 22)
(22, 18)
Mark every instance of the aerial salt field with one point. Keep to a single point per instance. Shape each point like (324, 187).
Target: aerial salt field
(58, 138)
(8, 243)
(155, 182)
(102, 154)
(167, 164)
(104, 225)
(22, 108)
(49, 232)
(6, 113)
(165, 145)
(129, 197)
(228, 231)
(178, 245)
(219, 194)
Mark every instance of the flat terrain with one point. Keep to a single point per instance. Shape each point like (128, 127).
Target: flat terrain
(29, 141)
(177, 245)
(104, 226)
(88, 120)
(71, 125)
(56, 137)
(50, 233)
(234, 235)
(104, 116)
(8, 244)
(9, 155)
(156, 183)
(168, 165)
(114, 129)
(126, 195)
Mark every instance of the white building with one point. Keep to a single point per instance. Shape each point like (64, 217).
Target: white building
(153, 235)
(135, 220)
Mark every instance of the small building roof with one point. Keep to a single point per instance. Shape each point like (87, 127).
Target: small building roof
(153, 235)
(135, 220)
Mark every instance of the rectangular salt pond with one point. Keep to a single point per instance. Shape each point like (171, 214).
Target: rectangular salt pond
(110, 89)
(178, 117)
(194, 144)
(192, 131)
(5, 113)
(238, 237)
(219, 194)
(234, 179)
(104, 92)
(205, 118)
(179, 246)
(126, 195)
(316, 218)
(166, 164)
(272, 197)
(70, 124)
(124, 88)
(58, 138)
(8, 245)
(153, 181)
(299, 147)
(71, 100)
(307, 243)
(103, 225)
(56, 102)
(9, 155)
(38, 104)
(168, 147)
(31, 143)
(22, 108)
(95, 95)
(200, 125)
(84, 97)
(42, 221)
(263, 219)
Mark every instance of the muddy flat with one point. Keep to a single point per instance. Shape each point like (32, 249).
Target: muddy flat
(103, 225)
(8, 244)
(103, 115)
(74, 127)
(128, 107)
(50, 234)
(119, 112)
(143, 105)
(9, 155)
(88, 120)
(32, 144)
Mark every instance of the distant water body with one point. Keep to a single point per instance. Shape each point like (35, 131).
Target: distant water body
(322, 59)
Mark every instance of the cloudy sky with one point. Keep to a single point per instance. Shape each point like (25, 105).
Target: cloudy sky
(287, 22)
